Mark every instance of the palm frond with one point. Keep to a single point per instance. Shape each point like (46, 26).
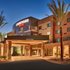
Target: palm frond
(59, 7)
(60, 11)
(3, 25)
(54, 4)
(63, 6)
(67, 7)
(59, 4)
(51, 8)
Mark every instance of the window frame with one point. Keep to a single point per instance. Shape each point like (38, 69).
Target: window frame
(68, 29)
(48, 24)
(58, 31)
(58, 40)
(40, 27)
(68, 19)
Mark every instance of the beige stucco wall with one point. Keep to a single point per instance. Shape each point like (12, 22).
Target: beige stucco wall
(46, 30)
(66, 50)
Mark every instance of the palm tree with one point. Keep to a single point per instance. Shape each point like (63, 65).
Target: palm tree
(59, 11)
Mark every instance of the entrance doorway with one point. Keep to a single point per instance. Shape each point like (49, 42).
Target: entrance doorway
(16, 51)
(49, 52)
(36, 52)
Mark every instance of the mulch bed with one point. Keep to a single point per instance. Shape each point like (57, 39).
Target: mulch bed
(3, 61)
(58, 61)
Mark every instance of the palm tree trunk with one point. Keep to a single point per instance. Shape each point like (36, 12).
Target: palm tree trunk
(61, 44)
(69, 51)
(53, 32)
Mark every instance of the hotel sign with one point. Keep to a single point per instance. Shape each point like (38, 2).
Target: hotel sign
(21, 23)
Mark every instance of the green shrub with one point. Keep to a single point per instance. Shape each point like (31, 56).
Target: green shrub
(2, 57)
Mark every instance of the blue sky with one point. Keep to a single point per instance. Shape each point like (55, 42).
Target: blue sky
(15, 10)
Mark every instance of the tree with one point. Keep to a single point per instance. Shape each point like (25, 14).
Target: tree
(60, 12)
(0, 37)
(2, 20)
(2, 23)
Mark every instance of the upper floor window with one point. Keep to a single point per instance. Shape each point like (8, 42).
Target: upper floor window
(66, 38)
(48, 33)
(21, 29)
(68, 19)
(49, 25)
(58, 23)
(68, 29)
(40, 33)
(40, 27)
(58, 40)
(58, 31)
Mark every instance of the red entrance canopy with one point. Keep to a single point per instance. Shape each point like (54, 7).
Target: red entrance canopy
(21, 25)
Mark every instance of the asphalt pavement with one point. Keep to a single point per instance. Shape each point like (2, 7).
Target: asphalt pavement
(33, 65)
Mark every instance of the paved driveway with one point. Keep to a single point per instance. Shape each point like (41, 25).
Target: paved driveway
(32, 65)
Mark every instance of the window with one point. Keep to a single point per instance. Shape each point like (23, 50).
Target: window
(66, 38)
(57, 31)
(21, 29)
(40, 33)
(48, 33)
(58, 23)
(65, 33)
(58, 40)
(40, 27)
(50, 51)
(68, 19)
(65, 24)
(32, 27)
(68, 29)
(49, 25)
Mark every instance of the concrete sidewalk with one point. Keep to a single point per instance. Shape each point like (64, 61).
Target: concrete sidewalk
(50, 59)
(17, 58)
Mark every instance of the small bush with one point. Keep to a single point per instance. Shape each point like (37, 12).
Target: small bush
(2, 57)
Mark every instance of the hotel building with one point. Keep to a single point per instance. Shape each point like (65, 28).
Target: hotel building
(38, 37)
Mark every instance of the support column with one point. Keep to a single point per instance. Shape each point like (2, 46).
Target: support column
(69, 51)
(5, 50)
(25, 50)
(46, 51)
(38, 54)
(0, 49)
(9, 49)
(57, 52)
(30, 50)
(21, 50)
(42, 50)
